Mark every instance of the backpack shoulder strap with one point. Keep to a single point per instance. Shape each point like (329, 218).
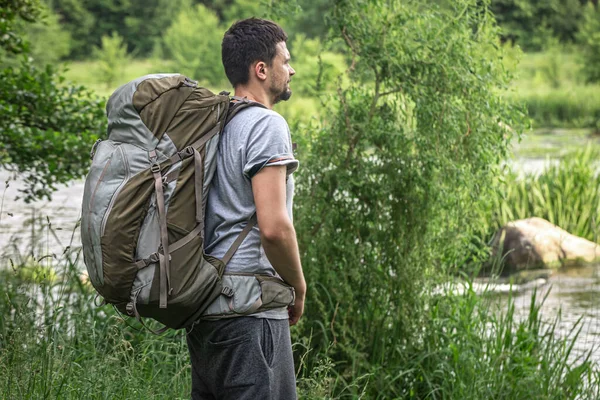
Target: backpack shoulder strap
(238, 241)
(238, 104)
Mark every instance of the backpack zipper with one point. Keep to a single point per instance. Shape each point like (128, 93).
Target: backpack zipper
(93, 196)
(114, 197)
(99, 279)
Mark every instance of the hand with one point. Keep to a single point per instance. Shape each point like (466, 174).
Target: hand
(296, 311)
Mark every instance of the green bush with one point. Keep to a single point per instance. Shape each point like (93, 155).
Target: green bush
(112, 59)
(193, 45)
(47, 42)
(394, 187)
(13, 14)
(46, 127)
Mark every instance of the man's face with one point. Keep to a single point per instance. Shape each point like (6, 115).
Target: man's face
(281, 73)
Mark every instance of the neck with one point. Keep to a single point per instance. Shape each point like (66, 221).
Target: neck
(254, 94)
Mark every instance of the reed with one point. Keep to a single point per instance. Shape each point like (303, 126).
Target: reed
(566, 194)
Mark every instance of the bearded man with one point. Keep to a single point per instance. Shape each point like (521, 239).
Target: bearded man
(250, 356)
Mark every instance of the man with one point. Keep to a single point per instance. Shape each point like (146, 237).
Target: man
(250, 357)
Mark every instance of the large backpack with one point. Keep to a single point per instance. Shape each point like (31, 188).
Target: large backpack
(143, 206)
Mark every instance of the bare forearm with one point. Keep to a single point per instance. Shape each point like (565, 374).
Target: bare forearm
(281, 249)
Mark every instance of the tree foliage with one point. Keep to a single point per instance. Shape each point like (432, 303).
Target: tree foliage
(10, 14)
(79, 21)
(318, 70)
(46, 127)
(532, 23)
(112, 57)
(193, 43)
(41, 36)
(48, 42)
(142, 23)
(395, 179)
(589, 41)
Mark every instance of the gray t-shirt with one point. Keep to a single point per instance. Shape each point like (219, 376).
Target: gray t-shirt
(254, 139)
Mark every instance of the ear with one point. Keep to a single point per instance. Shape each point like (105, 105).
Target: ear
(260, 70)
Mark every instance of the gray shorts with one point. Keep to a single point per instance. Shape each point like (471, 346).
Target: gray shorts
(242, 358)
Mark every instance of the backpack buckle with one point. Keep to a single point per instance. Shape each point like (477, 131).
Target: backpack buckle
(186, 152)
(160, 252)
(153, 258)
(227, 291)
(189, 82)
(155, 168)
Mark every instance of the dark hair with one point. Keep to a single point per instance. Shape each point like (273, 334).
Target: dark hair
(246, 42)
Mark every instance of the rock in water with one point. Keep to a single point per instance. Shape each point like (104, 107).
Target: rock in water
(536, 243)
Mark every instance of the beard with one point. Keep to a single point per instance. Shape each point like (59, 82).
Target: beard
(281, 95)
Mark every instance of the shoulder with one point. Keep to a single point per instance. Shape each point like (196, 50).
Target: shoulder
(253, 116)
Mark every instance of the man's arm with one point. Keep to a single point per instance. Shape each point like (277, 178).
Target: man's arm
(277, 233)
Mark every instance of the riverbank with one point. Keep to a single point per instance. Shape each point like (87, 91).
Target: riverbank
(473, 343)
(55, 343)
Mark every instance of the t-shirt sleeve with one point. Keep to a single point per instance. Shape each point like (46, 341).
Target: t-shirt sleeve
(269, 144)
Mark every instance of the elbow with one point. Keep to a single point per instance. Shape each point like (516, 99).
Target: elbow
(277, 232)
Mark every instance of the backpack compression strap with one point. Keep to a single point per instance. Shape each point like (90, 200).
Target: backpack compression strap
(236, 244)
(163, 254)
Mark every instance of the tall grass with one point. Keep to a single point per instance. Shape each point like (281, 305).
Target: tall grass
(572, 107)
(566, 194)
(470, 347)
(55, 343)
(474, 349)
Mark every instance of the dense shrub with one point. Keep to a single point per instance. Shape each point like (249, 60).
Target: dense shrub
(193, 44)
(46, 127)
(393, 187)
(112, 58)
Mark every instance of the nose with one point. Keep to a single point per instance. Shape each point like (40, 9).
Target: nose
(292, 71)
